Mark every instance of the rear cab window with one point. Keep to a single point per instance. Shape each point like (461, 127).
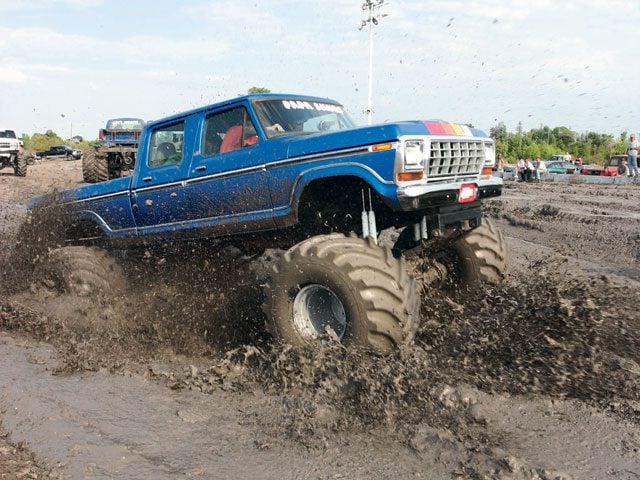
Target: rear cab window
(227, 131)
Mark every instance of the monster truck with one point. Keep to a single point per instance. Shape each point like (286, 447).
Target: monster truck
(115, 154)
(11, 153)
(296, 170)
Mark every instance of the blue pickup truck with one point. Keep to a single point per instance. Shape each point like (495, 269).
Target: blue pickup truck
(297, 170)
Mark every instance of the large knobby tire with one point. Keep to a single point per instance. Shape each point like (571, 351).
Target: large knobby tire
(481, 256)
(95, 168)
(82, 271)
(20, 168)
(357, 288)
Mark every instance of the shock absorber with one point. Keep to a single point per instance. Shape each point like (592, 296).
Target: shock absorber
(369, 227)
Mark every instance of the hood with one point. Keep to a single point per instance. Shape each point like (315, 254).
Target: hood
(372, 134)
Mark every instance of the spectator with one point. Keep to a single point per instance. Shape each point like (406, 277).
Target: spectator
(520, 169)
(632, 155)
(541, 168)
(529, 169)
(623, 168)
(500, 163)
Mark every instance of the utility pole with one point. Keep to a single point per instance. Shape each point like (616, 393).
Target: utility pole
(371, 9)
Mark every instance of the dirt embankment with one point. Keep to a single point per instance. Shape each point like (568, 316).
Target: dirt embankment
(491, 387)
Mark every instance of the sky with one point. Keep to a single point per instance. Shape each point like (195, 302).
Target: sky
(69, 65)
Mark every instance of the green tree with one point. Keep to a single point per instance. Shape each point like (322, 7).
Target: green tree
(258, 90)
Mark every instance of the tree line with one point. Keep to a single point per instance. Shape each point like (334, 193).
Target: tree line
(545, 141)
(43, 141)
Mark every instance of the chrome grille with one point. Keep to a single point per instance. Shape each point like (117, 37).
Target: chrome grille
(454, 160)
(5, 144)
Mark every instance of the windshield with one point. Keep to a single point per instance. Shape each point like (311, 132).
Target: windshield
(7, 134)
(280, 117)
(125, 124)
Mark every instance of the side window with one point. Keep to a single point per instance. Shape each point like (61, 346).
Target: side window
(166, 145)
(227, 131)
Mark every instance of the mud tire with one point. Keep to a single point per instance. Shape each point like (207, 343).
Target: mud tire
(95, 168)
(82, 271)
(481, 256)
(380, 299)
(20, 167)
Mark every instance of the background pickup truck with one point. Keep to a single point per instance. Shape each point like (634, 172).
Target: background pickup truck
(11, 154)
(116, 152)
(298, 171)
(61, 151)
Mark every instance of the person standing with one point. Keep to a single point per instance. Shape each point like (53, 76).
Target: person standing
(632, 155)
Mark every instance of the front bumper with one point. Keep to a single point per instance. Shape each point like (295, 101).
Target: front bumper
(420, 197)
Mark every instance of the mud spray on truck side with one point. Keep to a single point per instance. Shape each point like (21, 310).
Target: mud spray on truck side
(296, 171)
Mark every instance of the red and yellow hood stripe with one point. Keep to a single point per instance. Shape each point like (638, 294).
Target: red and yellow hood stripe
(447, 128)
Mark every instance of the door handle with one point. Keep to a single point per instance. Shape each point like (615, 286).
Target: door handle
(201, 168)
(147, 179)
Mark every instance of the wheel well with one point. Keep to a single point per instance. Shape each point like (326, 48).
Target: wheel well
(83, 232)
(334, 204)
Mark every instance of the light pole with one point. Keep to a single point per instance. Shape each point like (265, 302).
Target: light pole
(371, 8)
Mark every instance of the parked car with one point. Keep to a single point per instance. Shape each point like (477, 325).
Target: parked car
(61, 151)
(561, 167)
(613, 165)
(589, 169)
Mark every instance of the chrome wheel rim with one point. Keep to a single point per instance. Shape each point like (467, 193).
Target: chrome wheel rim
(317, 310)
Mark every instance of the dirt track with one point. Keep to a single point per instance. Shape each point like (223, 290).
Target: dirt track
(538, 378)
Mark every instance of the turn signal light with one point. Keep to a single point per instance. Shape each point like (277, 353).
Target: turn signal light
(487, 171)
(467, 193)
(410, 176)
(381, 147)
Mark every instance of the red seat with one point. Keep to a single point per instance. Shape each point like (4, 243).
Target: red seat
(232, 138)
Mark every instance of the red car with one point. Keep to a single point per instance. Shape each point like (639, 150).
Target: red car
(613, 165)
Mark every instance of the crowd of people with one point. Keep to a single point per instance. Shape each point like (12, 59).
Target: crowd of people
(528, 170)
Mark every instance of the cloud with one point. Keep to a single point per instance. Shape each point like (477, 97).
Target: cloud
(78, 52)
(12, 75)
(34, 5)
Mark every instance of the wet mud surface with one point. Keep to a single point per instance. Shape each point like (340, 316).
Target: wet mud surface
(536, 378)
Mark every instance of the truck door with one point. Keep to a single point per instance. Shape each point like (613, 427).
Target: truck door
(227, 188)
(157, 195)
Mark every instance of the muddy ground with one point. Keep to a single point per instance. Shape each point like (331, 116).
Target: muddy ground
(536, 379)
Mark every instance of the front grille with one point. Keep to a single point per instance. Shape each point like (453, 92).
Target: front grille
(452, 161)
(5, 145)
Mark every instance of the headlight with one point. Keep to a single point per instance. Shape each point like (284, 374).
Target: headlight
(489, 153)
(414, 155)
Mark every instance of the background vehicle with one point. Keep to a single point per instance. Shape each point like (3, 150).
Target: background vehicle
(613, 165)
(115, 155)
(298, 170)
(562, 157)
(560, 167)
(589, 169)
(61, 151)
(11, 153)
